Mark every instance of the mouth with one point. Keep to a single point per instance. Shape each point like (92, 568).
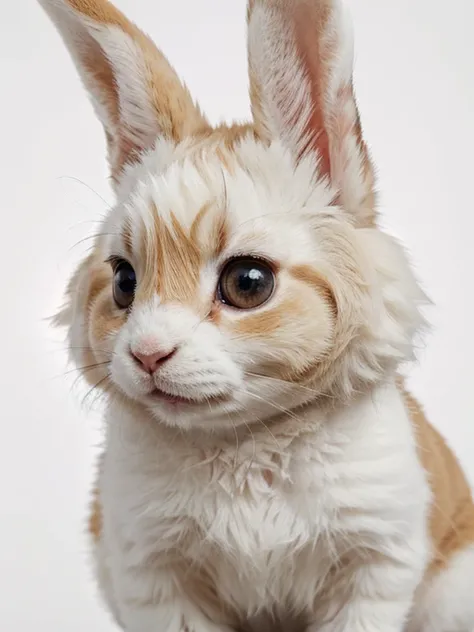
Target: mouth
(178, 400)
(163, 396)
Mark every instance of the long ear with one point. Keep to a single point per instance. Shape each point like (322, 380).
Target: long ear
(300, 66)
(135, 92)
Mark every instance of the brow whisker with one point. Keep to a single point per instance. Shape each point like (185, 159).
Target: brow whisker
(94, 236)
(87, 186)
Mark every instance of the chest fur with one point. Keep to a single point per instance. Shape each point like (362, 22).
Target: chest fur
(234, 502)
(243, 523)
(270, 514)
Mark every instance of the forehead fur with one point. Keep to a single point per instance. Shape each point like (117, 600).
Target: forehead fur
(207, 202)
(222, 195)
(250, 186)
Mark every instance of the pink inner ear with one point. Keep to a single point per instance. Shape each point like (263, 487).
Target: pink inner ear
(309, 30)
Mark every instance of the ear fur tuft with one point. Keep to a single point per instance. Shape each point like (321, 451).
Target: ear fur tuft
(300, 56)
(135, 92)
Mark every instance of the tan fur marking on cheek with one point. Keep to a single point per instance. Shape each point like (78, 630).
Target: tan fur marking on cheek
(97, 293)
(102, 316)
(314, 279)
(306, 334)
(100, 279)
(177, 256)
(262, 323)
(105, 320)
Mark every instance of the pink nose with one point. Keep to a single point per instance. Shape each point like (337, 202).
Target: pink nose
(151, 362)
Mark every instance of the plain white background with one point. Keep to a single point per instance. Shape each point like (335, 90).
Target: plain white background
(415, 85)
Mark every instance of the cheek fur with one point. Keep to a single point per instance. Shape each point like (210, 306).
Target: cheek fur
(286, 338)
(104, 321)
(101, 321)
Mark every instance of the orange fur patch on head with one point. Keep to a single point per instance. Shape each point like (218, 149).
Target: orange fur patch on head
(222, 140)
(176, 255)
(178, 261)
(228, 136)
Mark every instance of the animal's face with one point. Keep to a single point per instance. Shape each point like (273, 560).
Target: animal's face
(212, 288)
(240, 273)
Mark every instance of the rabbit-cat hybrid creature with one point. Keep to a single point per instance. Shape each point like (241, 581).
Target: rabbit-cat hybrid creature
(263, 465)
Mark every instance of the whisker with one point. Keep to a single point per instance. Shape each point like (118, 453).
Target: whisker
(280, 450)
(252, 219)
(254, 447)
(282, 409)
(282, 381)
(237, 445)
(94, 236)
(95, 387)
(87, 186)
(86, 368)
(85, 348)
(226, 193)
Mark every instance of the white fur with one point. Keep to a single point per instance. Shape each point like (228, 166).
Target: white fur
(445, 602)
(333, 490)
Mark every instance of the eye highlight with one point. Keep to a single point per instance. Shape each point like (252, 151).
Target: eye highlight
(125, 282)
(246, 283)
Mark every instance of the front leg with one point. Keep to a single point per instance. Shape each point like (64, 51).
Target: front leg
(153, 600)
(378, 594)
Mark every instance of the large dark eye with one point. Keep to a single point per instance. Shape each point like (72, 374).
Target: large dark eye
(246, 283)
(124, 284)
